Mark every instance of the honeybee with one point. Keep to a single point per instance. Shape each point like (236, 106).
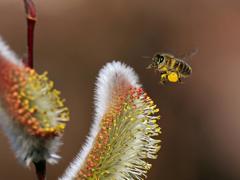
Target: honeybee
(171, 69)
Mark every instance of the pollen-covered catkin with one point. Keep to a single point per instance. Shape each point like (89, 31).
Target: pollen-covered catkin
(32, 112)
(125, 132)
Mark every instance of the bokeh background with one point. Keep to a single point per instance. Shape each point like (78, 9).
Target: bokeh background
(200, 118)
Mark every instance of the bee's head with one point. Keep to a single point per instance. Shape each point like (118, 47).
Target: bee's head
(157, 60)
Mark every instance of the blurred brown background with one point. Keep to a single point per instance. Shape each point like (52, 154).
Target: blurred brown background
(200, 119)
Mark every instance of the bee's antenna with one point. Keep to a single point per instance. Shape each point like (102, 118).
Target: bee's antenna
(146, 57)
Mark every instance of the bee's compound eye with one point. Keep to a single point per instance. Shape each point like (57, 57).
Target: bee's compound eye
(161, 59)
(158, 59)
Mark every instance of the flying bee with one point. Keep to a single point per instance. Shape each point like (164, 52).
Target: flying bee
(171, 69)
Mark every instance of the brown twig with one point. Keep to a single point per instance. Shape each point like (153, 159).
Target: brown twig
(40, 168)
(31, 20)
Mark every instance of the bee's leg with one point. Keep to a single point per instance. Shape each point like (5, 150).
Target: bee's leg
(180, 79)
(160, 71)
(155, 71)
(150, 66)
(163, 78)
(162, 82)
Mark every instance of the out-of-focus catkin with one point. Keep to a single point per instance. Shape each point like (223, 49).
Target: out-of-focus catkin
(33, 115)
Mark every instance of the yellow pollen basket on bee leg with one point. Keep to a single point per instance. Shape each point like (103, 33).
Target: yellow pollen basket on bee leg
(173, 77)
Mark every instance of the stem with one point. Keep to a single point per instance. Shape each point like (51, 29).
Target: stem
(31, 20)
(31, 16)
(40, 168)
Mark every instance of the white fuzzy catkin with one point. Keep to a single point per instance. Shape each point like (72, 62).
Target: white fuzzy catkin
(109, 76)
(8, 54)
(26, 146)
(116, 76)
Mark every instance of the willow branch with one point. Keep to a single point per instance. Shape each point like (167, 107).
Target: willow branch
(40, 168)
(31, 20)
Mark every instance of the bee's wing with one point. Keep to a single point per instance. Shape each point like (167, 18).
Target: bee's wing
(189, 55)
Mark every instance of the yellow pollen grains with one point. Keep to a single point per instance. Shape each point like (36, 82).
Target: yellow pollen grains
(173, 77)
(34, 103)
(125, 140)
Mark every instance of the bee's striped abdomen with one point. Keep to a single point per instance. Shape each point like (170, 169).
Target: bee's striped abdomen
(176, 65)
(180, 67)
(184, 68)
